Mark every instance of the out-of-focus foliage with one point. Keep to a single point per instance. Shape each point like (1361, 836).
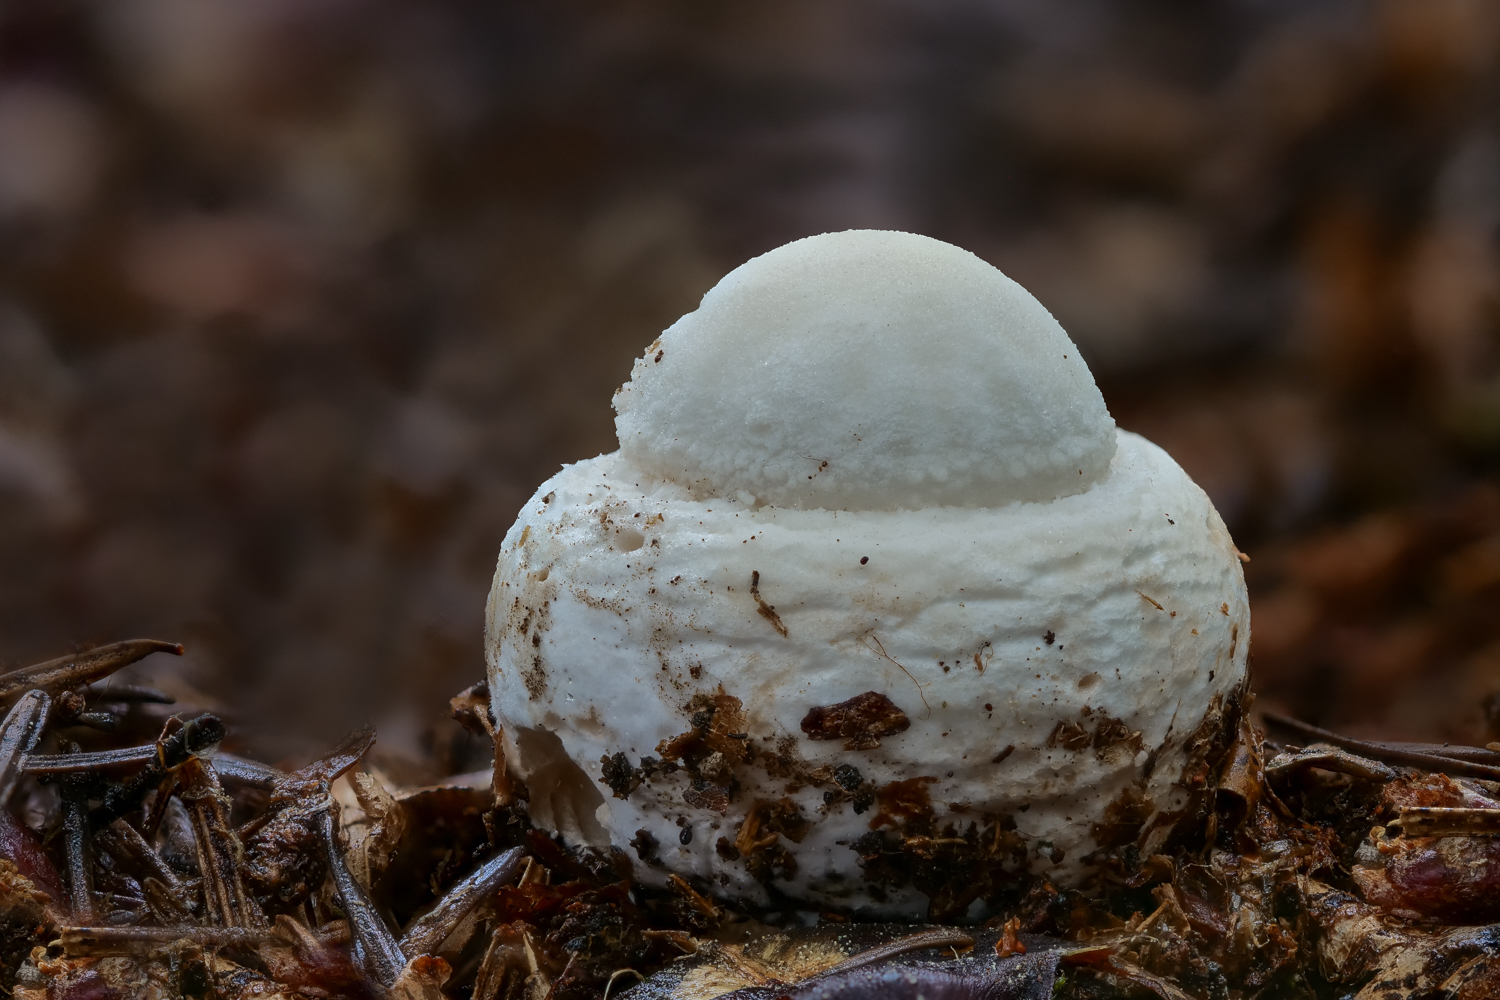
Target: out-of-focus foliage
(299, 299)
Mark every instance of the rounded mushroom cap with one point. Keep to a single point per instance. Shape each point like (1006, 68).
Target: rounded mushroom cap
(867, 370)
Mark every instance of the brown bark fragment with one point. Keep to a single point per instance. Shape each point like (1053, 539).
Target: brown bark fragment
(860, 722)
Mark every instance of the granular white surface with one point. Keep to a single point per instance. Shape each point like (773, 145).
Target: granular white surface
(867, 370)
(1052, 606)
(617, 604)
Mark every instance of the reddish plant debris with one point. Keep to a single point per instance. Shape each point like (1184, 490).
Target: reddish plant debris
(860, 722)
(1454, 879)
(619, 776)
(757, 840)
(77, 669)
(717, 727)
(1124, 818)
(904, 801)
(1110, 738)
(1010, 942)
(1113, 738)
(766, 611)
(955, 862)
(1307, 877)
(1069, 735)
(182, 874)
(767, 820)
(707, 759)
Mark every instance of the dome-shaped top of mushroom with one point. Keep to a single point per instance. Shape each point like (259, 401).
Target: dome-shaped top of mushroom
(867, 370)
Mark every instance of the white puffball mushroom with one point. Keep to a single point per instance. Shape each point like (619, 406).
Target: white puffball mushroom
(874, 608)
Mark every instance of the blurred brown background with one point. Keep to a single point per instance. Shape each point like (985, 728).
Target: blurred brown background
(299, 299)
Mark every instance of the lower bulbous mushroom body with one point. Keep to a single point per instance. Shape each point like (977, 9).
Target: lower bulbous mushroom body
(881, 706)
